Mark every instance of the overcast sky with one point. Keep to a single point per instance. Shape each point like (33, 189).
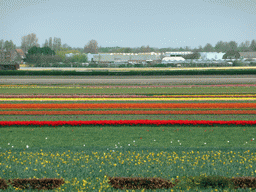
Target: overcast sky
(130, 23)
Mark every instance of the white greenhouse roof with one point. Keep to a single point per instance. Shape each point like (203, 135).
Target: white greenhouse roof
(173, 59)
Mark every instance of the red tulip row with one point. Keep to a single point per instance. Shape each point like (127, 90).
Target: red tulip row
(157, 112)
(127, 122)
(129, 105)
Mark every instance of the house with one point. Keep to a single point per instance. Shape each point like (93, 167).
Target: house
(13, 55)
(247, 55)
(20, 53)
(5, 56)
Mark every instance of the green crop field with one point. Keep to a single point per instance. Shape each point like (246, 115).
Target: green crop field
(102, 90)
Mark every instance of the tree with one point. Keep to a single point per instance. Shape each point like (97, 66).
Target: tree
(231, 54)
(208, 48)
(219, 47)
(127, 50)
(9, 45)
(50, 43)
(56, 44)
(47, 51)
(46, 44)
(29, 41)
(34, 51)
(232, 46)
(38, 55)
(253, 45)
(247, 45)
(242, 47)
(187, 48)
(194, 55)
(92, 46)
(226, 47)
(147, 49)
(199, 49)
(65, 47)
(1, 44)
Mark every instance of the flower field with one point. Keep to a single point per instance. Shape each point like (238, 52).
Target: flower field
(169, 132)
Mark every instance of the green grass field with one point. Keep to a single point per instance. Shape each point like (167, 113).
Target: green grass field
(164, 90)
(83, 155)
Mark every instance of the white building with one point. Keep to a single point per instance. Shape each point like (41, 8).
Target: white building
(177, 53)
(211, 55)
(166, 60)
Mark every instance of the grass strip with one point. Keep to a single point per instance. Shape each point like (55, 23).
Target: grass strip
(175, 90)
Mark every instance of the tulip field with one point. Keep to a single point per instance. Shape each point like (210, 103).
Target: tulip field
(85, 133)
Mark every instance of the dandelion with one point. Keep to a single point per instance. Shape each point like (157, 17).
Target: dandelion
(171, 141)
(12, 146)
(27, 146)
(128, 144)
(8, 143)
(46, 138)
(154, 140)
(205, 143)
(228, 141)
(178, 140)
(134, 141)
(84, 145)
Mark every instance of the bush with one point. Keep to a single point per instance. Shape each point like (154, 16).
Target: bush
(209, 181)
(238, 63)
(252, 64)
(138, 65)
(93, 65)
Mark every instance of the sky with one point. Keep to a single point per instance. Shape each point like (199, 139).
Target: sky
(130, 23)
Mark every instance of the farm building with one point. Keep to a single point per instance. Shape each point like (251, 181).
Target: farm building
(248, 55)
(211, 55)
(177, 54)
(166, 60)
(124, 57)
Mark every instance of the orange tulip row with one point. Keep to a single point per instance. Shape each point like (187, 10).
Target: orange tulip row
(126, 112)
(130, 105)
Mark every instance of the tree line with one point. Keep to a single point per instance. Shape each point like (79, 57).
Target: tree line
(53, 50)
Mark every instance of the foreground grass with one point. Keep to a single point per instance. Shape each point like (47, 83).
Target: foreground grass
(124, 117)
(82, 156)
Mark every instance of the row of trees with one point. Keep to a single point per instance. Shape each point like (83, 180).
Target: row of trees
(219, 47)
(92, 46)
(8, 45)
(52, 50)
(45, 55)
